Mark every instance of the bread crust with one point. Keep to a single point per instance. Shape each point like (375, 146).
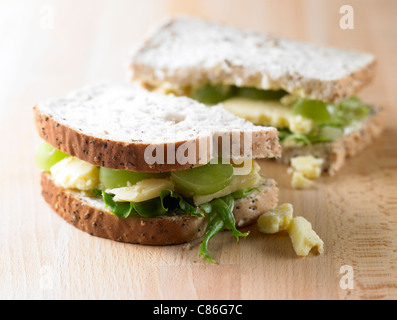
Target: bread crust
(131, 156)
(160, 231)
(248, 210)
(336, 154)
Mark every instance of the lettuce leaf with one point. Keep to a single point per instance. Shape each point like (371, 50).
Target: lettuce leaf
(217, 225)
(220, 212)
(301, 139)
(341, 115)
(121, 210)
(168, 202)
(244, 193)
(182, 204)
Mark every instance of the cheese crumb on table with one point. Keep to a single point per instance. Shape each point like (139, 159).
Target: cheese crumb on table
(309, 166)
(276, 220)
(304, 169)
(304, 239)
(299, 181)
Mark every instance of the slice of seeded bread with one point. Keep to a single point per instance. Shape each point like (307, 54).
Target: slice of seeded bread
(126, 127)
(186, 52)
(90, 215)
(335, 154)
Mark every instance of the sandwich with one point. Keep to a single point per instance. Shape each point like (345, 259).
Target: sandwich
(308, 92)
(129, 165)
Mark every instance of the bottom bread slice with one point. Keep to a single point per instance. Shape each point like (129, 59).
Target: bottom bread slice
(90, 215)
(336, 153)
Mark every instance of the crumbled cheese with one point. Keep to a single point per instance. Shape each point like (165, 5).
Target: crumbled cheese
(142, 191)
(276, 220)
(299, 124)
(305, 169)
(300, 182)
(73, 173)
(300, 231)
(309, 166)
(304, 238)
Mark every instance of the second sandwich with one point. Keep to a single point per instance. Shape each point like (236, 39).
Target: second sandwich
(306, 91)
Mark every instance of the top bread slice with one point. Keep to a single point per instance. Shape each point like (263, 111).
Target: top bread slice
(186, 52)
(125, 127)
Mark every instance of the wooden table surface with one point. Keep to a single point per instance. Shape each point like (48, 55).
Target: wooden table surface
(50, 47)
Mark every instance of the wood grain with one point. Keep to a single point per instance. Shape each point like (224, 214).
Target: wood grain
(355, 213)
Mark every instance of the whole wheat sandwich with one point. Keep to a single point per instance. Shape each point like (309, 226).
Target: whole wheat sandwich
(126, 164)
(306, 91)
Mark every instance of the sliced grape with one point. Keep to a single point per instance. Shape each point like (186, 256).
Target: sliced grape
(259, 94)
(112, 179)
(204, 180)
(354, 109)
(312, 109)
(351, 103)
(211, 95)
(331, 133)
(47, 156)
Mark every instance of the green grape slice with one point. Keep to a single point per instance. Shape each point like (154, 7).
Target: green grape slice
(312, 109)
(259, 94)
(113, 179)
(204, 180)
(211, 94)
(331, 133)
(47, 156)
(353, 109)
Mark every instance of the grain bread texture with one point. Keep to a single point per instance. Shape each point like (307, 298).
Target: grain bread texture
(249, 209)
(90, 215)
(129, 128)
(336, 154)
(185, 52)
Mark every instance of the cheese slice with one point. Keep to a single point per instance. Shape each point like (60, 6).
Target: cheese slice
(268, 113)
(142, 191)
(73, 173)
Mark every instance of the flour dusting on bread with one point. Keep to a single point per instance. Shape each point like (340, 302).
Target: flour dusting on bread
(187, 51)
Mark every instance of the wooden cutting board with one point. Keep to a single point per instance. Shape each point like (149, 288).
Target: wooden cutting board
(354, 213)
(43, 257)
